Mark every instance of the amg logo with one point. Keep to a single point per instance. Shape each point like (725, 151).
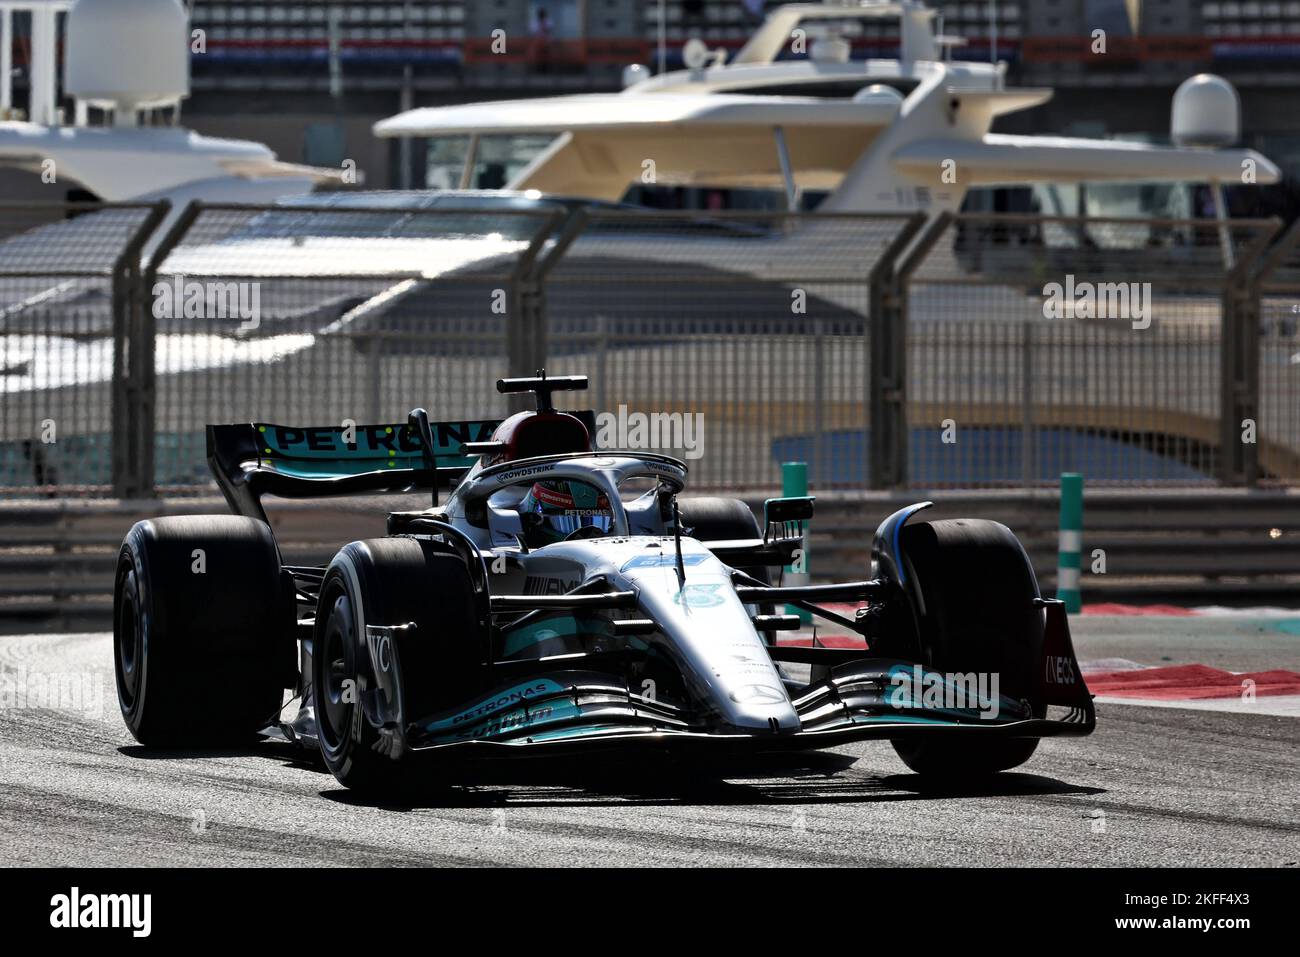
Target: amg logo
(539, 585)
(74, 910)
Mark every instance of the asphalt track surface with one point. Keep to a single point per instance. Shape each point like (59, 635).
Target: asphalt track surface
(1153, 786)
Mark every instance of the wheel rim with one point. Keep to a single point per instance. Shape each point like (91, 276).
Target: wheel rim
(334, 669)
(128, 639)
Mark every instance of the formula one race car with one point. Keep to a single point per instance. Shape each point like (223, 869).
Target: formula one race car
(562, 598)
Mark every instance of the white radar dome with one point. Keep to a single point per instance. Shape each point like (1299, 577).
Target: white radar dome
(634, 73)
(695, 54)
(878, 93)
(128, 54)
(1206, 112)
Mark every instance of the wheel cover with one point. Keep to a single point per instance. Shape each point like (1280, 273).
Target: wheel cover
(335, 666)
(128, 640)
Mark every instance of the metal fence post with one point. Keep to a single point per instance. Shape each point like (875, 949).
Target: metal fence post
(819, 471)
(539, 270)
(602, 362)
(143, 344)
(888, 324)
(525, 315)
(1239, 345)
(1028, 452)
(1239, 385)
(517, 337)
(519, 332)
(132, 475)
(123, 457)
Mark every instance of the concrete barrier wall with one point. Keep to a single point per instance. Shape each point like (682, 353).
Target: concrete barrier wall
(1210, 546)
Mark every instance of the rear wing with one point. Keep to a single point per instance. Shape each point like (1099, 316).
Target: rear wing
(255, 459)
(252, 460)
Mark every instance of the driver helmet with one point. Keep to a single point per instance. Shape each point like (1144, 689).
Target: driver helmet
(552, 511)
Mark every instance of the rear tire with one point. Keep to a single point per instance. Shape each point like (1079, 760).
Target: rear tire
(390, 581)
(978, 589)
(719, 519)
(202, 630)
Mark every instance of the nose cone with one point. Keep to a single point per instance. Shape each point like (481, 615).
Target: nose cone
(762, 704)
(713, 632)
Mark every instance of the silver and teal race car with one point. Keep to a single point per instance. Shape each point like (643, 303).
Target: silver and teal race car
(563, 599)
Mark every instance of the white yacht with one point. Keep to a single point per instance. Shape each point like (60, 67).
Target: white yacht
(913, 133)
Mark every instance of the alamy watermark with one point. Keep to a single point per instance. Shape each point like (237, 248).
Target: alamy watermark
(74, 910)
(183, 298)
(673, 431)
(972, 691)
(1104, 300)
(74, 692)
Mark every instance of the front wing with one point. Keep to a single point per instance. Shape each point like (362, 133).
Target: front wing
(869, 698)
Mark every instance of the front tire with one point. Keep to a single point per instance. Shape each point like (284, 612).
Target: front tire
(393, 582)
(202, 630)
(978, 590)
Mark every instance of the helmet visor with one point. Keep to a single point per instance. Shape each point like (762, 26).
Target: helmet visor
(565, 507)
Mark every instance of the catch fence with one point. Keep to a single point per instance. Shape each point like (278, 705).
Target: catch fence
(885, 351)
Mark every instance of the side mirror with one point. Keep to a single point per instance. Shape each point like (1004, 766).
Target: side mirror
(418, 421)
(785, 517)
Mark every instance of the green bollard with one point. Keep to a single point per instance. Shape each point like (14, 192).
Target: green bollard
(1069, 552)
(794, 484)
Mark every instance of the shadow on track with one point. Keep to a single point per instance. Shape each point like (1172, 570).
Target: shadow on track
(817, 778)
(808, 779)
(290, 755)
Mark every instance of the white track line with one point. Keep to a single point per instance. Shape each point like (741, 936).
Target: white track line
(1285, 706)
